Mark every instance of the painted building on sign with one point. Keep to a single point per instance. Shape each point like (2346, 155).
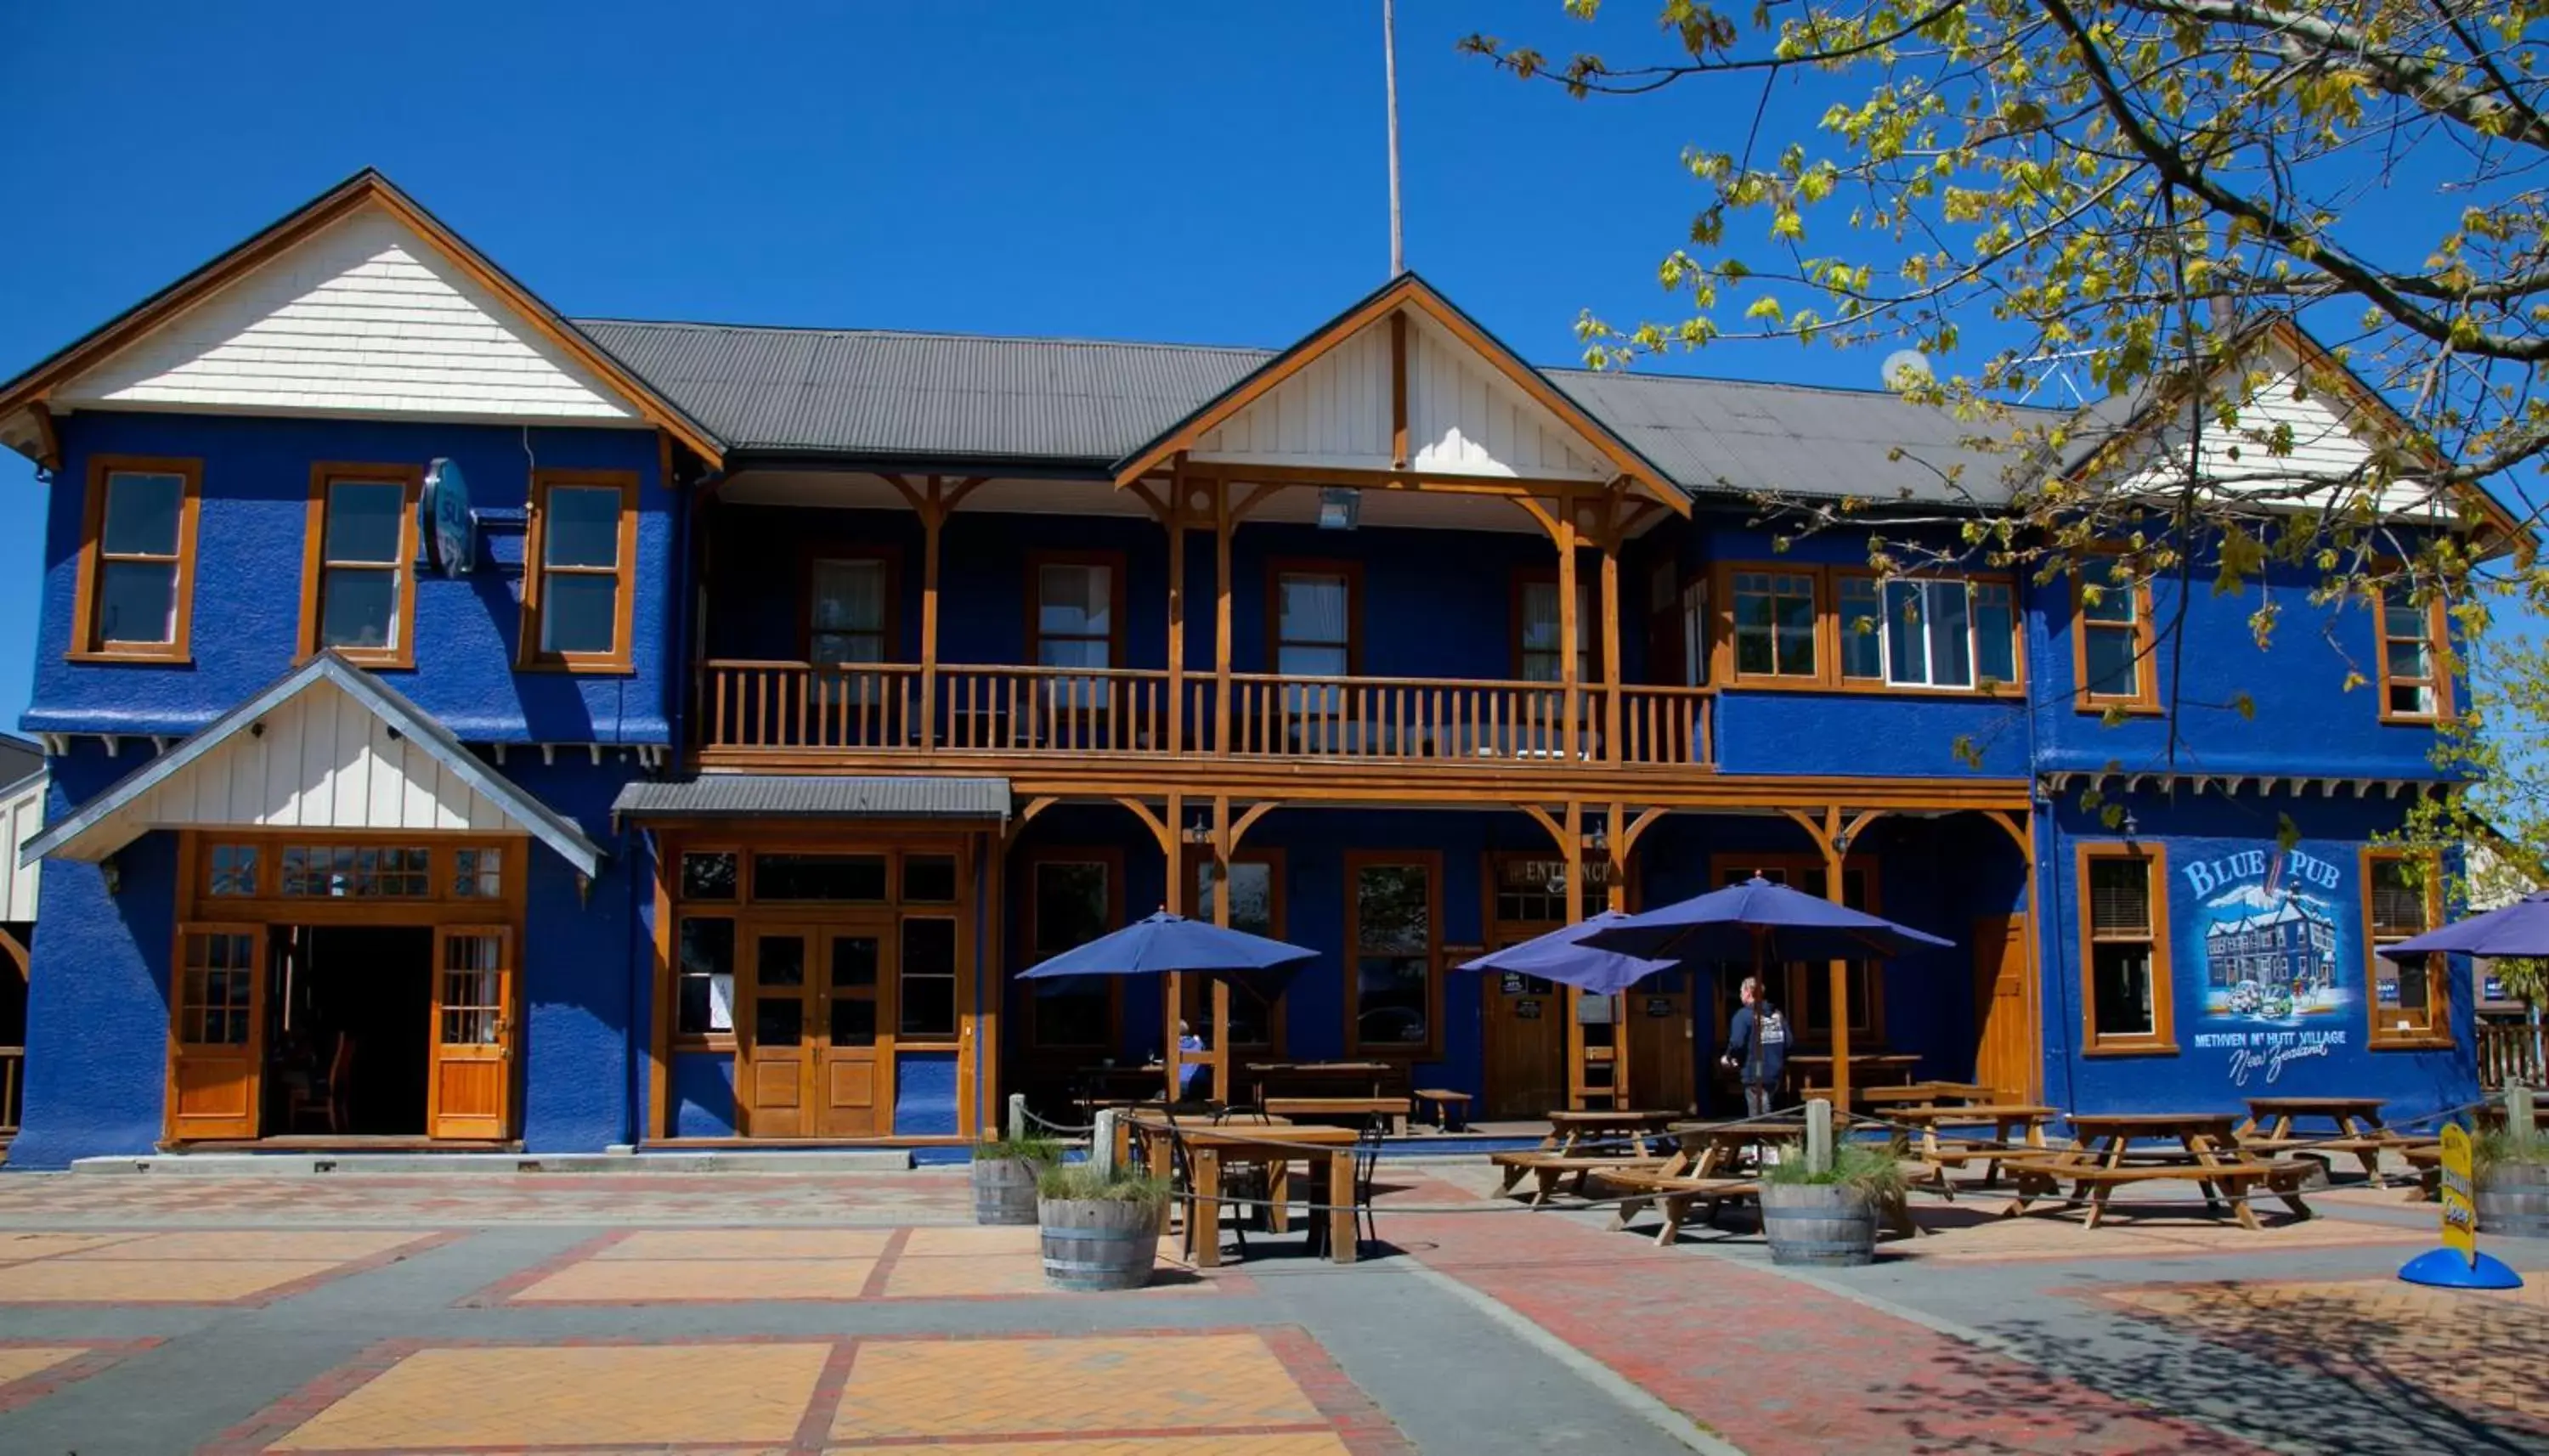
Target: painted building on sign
(468, 726)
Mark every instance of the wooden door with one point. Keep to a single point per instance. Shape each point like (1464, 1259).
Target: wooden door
(2005, 1046)
(471, 1094)
(773, 1033)
(1661, 1059)
(217, 1041)
(1526, 1044)
(852, 1051)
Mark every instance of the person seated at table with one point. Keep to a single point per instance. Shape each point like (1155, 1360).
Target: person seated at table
(1756, 1046)
(1190, 1073)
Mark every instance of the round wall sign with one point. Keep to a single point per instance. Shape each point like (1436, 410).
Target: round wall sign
(448, 526)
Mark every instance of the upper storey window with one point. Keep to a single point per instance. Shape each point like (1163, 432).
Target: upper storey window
(1314, 621)
(579, 588)
(848, 597)
(1927, 633)
(2111, 637)
(1078, 623)
(1539, 632)
(2414, 687)
(1775, 624)
(359, 580)
(138, 561)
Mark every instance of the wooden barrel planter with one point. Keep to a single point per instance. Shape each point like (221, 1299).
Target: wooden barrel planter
(1005, 1190)
(1823, 1225)
(1098, 1244)
(2513, 1201)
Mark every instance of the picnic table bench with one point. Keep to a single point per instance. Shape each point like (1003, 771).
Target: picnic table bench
(2020, 1121)
(1448, 1108)
(1580, 1144)
(2355, 1121)
(1569, 1131)
(1389, 1112)
(1548, 1169)
(1923, 1094)
(2106, 1159)
(1675, 1194)
(1276, 1146)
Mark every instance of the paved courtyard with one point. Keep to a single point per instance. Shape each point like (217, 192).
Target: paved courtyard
(734, 1312)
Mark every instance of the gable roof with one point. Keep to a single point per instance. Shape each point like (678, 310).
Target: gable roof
(95, 831)
(28, 392)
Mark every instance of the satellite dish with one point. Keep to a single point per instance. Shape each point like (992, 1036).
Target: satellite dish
(1906, 368)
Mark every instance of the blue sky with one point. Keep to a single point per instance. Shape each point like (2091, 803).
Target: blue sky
(1208, 173)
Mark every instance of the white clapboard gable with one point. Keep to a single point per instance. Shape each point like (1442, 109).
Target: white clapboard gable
(1464, 415)
(364, 317)
(22, 816)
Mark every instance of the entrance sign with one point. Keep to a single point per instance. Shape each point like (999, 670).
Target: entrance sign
(2458, 1264)
(445, 521)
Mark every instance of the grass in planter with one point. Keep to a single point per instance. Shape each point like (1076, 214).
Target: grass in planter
(1871, 1169)
(2507, 1148)
(1082, 1181)
(1032, 1149)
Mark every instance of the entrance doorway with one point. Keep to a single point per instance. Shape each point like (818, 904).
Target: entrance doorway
(348, 1049)
(2005, 1056)
(813, 1045)
(1526, 1041)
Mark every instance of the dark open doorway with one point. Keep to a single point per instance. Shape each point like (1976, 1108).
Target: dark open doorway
(352, 1034)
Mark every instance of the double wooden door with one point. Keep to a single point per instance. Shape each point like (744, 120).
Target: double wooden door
(1525, 1041)
(2006, 1057)
(815, 1030)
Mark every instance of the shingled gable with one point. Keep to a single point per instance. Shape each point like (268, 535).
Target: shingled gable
(401, 743)
(25, 402)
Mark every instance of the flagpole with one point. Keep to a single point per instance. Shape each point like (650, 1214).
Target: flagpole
(1389, 70)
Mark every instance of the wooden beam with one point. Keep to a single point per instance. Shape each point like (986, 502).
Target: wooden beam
(1164, 833)
(1223, 523)
(1414, 481)
(1174, 902)
(1175, 519)
(932, 516)
(1248, 820)
(49, 441)
(1610, 631)
(1637, 827)
(1569, 624)
(910, 494)
(1256, 497)
(1557, 833)
(1159, 509)
(1035, 806)
(1615, 881)
(1219, 1044)
(1398, 391)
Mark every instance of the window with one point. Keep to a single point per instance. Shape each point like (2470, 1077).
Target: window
(1995, 614)
(356, 872)
(1391, 1009)
(1532, 890)
(579, 596)
(2413, 688)
(1538, 631)
(1804, 987)
(233, 870)
(847, 610)
(1694, 633)
(217, 985)
(473, 990)
(709, 875)
(1074, 903)
(928, 970)
(1775, 624)
(2123, 952)
(137, 560)
(1862, 629)
(2111, 639)
(793, 876)
(477, 873)
(358, 573)
(704, 998)
(929, 878)
(1926, 633)
(2402, 898)
(1078, 620)
(1315, 620)
(1257, 907)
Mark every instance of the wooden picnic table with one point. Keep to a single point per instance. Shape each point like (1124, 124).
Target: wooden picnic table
(2355, 1122)
(1329, 1078)
(2106, 1158)
(1569, 1131)
(1353, 1110)
(1881, 1066)
(2022, 1121)
(1923, 1094)
(1710, 1149)
(1273, 1145)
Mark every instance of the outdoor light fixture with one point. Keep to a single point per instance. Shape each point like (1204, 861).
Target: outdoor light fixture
(2130, 828)
(112, 875)
(1340, 507)
(1840, 842)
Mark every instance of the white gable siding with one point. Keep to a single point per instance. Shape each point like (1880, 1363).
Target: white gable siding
(365, 318)
(21, 817)
(1463, 417)
(324, 762)
(2326, 452)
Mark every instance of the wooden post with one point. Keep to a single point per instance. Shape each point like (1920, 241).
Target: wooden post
(1579, 1079)
(1567, 626)
(1819, 1136)
(1101, 1143)
(1615, 896)
(1174, 900)
(933, 516)
(1221, 528)
(1017, 1116)
(1220, 1049)
(1177, 524)
(1838, 970)
(1611, 633)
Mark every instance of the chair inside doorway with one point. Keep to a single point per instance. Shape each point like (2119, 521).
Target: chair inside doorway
(350, 1036)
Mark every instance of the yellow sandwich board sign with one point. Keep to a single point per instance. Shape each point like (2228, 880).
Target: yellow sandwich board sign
(2460, 1213)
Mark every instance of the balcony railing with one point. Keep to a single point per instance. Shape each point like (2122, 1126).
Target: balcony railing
(898, 708)
(2508, 1053)
(13, 1069)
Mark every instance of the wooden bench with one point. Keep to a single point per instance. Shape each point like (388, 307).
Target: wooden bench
(2226, 1181)
(2366, 1151)
(1446, 1108)
(1675, 1193)
(1546, 1168)
(1352, 1110)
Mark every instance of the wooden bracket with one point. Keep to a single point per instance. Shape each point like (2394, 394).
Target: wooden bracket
(1247, 821)
(1546, 821)
(1161, 829)
(1034, 807)
(1627, 840)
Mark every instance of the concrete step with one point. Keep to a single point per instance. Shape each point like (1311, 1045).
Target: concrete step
(309, 1164)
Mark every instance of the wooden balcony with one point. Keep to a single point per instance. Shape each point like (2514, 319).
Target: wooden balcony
(2508, 1055)
(763, 713)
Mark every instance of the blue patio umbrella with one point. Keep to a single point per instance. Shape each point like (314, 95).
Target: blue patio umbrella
(2518, 929)
(1562, 956)
(1165, 944)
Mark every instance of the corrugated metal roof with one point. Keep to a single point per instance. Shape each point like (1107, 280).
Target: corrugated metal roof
(817, 795)
(1085, 403)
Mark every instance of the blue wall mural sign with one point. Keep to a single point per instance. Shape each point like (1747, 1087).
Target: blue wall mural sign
(450, 527)
(2275, 967)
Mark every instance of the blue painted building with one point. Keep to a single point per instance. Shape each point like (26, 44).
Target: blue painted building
(474, 727)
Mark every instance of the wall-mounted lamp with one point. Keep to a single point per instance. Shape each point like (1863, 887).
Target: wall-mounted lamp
(1340, 507)
(2131, 828)
(112, 875)
(1198, 833)
(1840, 842)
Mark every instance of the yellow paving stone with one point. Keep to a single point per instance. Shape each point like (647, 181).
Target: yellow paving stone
(949, 1278)
(45, 1244)
(1296, 1443)
(739, 1395)
(930, 1243)
(689, 1280)
(17, 1364)
(142, 1282)
(751, 1243)
(336, 1245)
(996, 1386)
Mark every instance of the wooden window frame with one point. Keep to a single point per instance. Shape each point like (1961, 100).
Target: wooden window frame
(1116, 566)
(2381, 1036)
(1588, 625)
(1430, 861)
(620, 659)
(1827, 663)
(1112, 858)
(85, 647)
(437, 904)
(2161, 1038)
(1831, 630)
(1278, 909)
(1871, 1036)
(2437, 640)
(2144, 699)
(410, 478)
(1279, 566)
(892, 627)
(1981, 686)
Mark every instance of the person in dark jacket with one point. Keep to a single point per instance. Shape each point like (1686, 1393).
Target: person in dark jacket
(1756, 1046)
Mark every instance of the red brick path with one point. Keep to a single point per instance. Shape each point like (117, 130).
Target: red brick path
(1775, 1365)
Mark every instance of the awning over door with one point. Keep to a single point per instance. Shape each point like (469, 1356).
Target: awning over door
(816, 796)
(329, 746)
